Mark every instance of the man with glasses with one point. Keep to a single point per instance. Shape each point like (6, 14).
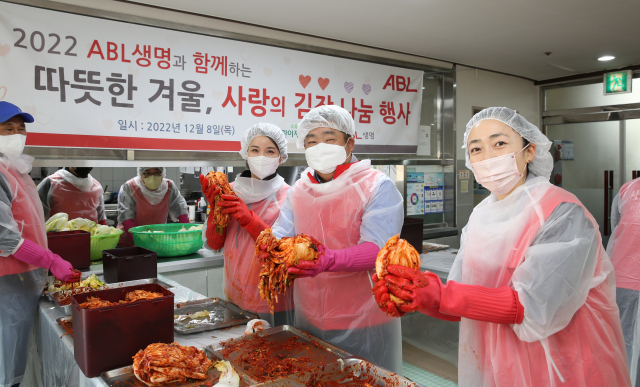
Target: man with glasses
(149, 198)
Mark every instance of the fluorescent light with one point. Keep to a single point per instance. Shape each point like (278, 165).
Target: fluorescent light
(606, 58)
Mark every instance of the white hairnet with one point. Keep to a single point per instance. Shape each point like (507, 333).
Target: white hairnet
(327, 116)
(542, 164)
(142, 169)
(267, 130)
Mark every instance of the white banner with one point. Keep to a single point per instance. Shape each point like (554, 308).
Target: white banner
(97, 83)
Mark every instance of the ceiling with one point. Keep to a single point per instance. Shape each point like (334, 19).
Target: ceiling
(509, 36)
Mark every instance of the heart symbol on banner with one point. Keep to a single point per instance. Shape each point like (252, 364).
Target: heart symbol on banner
(323, 82)
(4, 49)
(268, 72)
(348, 86)
(304, 81)
(245, 55)
(287, 60)
(3, 90)
(44, 119)
(134, 71)
(366, 88)
(6, 16)
(31, 110)
(367, 80)
(107, 124)
(134, 112)
(172, 39)
(178, 115)
(338, 69)
(377, 129)
(217, 94)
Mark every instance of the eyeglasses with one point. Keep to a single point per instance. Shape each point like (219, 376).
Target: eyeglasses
(148, 174)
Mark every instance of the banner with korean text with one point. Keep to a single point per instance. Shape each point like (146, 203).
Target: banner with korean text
(97, 83)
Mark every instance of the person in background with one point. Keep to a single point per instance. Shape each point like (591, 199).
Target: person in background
(149, 198)
(24, 257)
(259, 191)
(352, 209)
(532, 286)
(75, 192)
(624, 250)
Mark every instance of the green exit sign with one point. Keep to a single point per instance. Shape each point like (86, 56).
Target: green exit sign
(618, 82)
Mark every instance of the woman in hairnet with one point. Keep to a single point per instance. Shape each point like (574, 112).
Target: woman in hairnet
(624, 250)
(260, 192)
(75, 192)
(149, 198)
(531, 284)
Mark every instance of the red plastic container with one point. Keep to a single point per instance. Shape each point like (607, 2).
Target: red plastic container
(107, 338)
(72, 246)
(129, 264)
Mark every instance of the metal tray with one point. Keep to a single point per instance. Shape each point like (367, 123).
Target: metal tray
(319, 357)
(67, 310)
(67, 337)
(222, 314)
(124, 377)
(350, 372)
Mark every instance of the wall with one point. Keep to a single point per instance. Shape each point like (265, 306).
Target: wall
(482, 89)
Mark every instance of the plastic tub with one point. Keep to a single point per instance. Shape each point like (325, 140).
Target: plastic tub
(412, 232)
(103, 242)
(107, 338)
(170, 242)
(72, 246)
(129, 264)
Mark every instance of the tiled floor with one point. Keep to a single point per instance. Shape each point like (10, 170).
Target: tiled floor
(427, 369)
(423, 377)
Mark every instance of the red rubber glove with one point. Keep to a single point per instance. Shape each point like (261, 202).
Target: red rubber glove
(34, 254)
(210, 192)
(214, 240)
(381, 294)
(496, 305)
(103, 222)
(249, 220)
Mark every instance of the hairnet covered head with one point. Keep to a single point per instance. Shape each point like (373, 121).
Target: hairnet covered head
(142, 169)
(267, 130)
(328, 116)
(542, 164)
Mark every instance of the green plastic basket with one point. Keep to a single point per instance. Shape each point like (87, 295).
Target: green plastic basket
(103, 242)
(170, 242)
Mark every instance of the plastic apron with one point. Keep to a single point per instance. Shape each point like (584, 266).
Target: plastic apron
(20, 283)
(587, 352)
(241, 270)
(624, 250)
(69, 199)
(145, 212)
(339, 307)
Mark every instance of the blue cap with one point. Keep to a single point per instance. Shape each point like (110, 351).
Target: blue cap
(9, 110)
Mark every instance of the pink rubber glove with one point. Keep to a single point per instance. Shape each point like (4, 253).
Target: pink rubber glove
(184, 218)
(496, 305)
(249, 220)
(355, 258)
(33, 254)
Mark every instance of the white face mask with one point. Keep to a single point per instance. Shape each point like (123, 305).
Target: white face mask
(499, 174)
(325, 158)
(263, 166)
(12, 145)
